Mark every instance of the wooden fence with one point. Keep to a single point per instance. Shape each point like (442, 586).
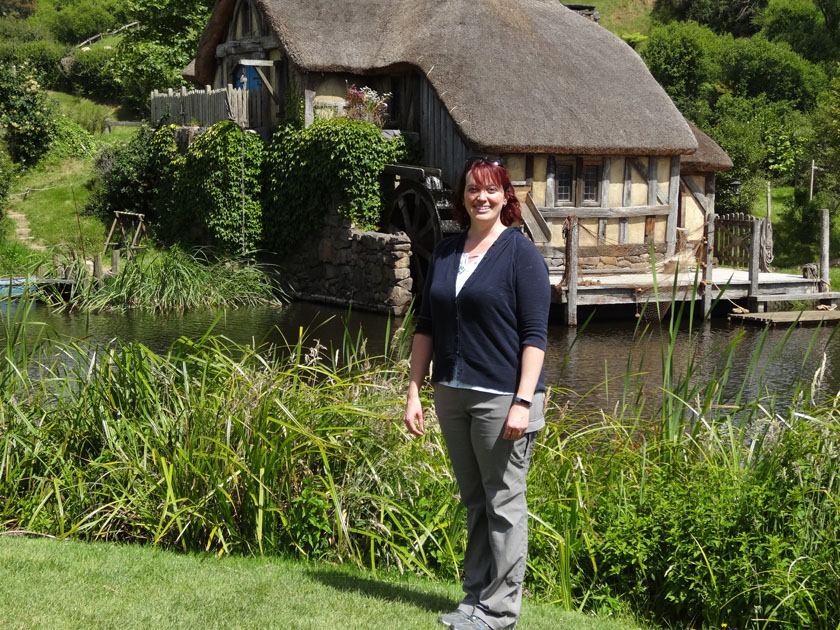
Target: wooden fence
(734, 246)
(200, 107)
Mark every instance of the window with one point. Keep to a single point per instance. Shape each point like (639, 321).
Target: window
(563, 177)
(591, 183)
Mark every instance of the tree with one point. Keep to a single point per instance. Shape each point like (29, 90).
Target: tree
(153, 55)
(800, 24)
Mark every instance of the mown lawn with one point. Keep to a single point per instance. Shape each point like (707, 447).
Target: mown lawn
(60, 584)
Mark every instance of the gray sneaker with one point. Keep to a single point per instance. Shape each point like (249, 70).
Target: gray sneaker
(472, 623)
(450, 619)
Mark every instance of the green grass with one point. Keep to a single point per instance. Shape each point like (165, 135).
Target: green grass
(54, 205)
(624, 17)
(58, 584)
(779, 196)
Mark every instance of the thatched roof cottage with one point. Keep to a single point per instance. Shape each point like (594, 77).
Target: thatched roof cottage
(583, 126)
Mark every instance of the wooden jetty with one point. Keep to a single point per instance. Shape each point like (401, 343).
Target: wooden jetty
(704, 280)
(788, 317)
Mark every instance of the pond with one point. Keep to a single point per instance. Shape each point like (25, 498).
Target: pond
(580, 361)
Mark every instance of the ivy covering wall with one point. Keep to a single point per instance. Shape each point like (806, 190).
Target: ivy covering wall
(230, 190)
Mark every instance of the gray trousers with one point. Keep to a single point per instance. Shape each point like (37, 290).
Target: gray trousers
(491, 473)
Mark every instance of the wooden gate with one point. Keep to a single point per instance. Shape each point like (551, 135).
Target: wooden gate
(734, 240)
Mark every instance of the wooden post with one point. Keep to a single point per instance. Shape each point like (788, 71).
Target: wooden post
(755, 252)
(97, 269)
(709, 247)
(674, 206)
(115, 261)
(769, 199)
(572, 271)
(708, 264)
(550, 185)
(825, 272)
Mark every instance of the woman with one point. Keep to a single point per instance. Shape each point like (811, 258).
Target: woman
(484, 320)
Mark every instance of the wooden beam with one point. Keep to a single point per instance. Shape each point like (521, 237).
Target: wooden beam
(606, 167)
(695, 191)
(593, 212)
(308, 99)
(536, 224)
(572, 238)
(626, 196)
(267, 85)
(248, 44)
(550, 184)
(648, 174)
(674, 203)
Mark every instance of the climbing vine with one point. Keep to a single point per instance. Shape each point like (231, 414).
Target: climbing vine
(331, 162)
(220, 186)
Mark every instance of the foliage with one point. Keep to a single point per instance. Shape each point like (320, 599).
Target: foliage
(142, 66)
(220, 187)
(153, 55)
(681, 56)
(25, 114)
(755, 66)
(92, 73)
(42, 55)
(7, 173)
(825, 145)
(70, 139)
(124, 182)
(332, 162)
(801, 25)
(17, 8)
(73, 21)
(724, 16)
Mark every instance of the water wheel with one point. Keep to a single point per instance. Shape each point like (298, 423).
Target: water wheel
(412, 210)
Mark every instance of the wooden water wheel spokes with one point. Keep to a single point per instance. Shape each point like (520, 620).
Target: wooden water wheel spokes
(412, 210)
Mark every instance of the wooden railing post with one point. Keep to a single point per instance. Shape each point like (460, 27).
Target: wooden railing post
(825, 270)
(572, 237)
(115, 261)
(708, 265)
(755, 251)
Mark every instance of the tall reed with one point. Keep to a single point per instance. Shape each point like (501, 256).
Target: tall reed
(684, 503)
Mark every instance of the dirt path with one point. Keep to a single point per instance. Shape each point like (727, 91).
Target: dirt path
(22, 231)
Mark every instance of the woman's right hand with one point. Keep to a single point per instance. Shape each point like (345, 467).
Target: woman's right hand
(413, 417)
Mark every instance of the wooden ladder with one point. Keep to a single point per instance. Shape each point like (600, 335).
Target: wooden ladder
(132, 229)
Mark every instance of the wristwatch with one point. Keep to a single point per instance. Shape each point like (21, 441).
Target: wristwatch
(522, 401)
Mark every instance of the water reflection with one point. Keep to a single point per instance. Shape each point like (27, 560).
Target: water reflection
(578, 361)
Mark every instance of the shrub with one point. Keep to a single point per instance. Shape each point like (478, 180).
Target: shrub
(756, 66)
(92, 73)
(7, 173)
(70, 139)
(681, 56)
(124, 181)
(336, 161)
(25, 114)
(42, 56)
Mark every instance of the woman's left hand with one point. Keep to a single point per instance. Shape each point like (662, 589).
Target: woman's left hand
(517, 422)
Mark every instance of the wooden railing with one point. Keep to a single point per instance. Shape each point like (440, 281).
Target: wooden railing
(203, 107)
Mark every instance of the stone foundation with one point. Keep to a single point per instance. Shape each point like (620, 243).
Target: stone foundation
(606, 258)
(344, 266)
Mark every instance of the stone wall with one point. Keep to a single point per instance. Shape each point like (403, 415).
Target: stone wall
(605, 258)
(344, 266)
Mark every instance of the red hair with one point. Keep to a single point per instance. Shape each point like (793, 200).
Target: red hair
(486, 171)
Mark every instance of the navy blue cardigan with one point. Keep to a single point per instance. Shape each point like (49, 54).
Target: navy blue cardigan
(478, 336)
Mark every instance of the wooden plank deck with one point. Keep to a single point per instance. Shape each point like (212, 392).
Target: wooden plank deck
(788, 317)
(726, 283)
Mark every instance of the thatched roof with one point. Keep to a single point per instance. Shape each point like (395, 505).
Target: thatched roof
(516, 75)
(709, 156)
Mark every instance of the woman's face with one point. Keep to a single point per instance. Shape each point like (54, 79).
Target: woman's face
(484, 202)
